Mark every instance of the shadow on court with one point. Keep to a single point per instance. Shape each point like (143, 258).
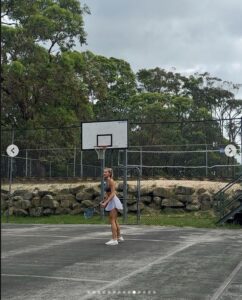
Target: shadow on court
(73, 262)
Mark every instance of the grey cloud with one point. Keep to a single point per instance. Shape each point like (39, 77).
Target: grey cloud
(186, 34)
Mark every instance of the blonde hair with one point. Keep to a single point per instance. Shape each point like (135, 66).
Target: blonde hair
(110, 171)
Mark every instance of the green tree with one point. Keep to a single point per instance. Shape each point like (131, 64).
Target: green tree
(56, 22)
(111, 84)
(160, 81)
(41, 88)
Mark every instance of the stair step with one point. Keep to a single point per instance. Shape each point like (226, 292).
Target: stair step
(230, 215)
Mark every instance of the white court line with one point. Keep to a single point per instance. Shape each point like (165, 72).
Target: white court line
(94, 238)
(140, 270)
(16, 230)
(56, 278)
(89, 236)
(101, 238)
(224, 285)
(41, 235)
(44, 247)
(88, 264)
(22, 232)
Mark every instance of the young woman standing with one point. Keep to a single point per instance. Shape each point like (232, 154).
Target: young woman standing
(112, 204)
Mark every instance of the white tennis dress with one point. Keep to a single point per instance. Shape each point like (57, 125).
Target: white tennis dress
(114, 203)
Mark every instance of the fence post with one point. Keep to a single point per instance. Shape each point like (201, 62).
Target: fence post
(125, 187)
(8, 170)
(102, 183)
(74, 163)
(138, 195)
(206, 160)
(241, 141)
(30, 167)
(81, 168)
(111, 163)
(10, 177)
(141, 161)
(26, 163)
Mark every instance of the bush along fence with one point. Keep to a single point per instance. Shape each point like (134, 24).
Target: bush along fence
(154, 199)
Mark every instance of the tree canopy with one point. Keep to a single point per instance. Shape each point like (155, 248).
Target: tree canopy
(47, 83)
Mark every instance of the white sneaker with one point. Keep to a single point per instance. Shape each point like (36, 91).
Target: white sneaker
(112, 242)
(121, 239)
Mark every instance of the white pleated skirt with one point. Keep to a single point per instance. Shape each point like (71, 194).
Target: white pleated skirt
(114, 203)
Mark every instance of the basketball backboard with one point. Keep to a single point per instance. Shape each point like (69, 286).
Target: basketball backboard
(110, 134)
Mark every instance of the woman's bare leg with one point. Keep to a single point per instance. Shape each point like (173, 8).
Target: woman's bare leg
(112, 218)
(117, 226)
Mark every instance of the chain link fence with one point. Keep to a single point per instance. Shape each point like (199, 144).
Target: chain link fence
(155, 151)
(204, 161)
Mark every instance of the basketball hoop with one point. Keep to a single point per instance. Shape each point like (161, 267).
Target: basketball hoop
(101, 151)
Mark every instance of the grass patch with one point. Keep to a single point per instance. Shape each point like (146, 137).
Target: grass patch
(196, 220)
(180, 221)
(59, 219)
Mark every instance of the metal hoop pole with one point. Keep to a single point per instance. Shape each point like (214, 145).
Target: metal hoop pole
(125, 215)
(102, 183)
(10, 179)
(101, 157)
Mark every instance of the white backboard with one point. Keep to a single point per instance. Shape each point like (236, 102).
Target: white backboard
(113, 134)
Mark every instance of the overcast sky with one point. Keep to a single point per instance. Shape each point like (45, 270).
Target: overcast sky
(188, 35)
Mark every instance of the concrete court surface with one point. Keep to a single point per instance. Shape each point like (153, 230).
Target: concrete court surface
(72, 262)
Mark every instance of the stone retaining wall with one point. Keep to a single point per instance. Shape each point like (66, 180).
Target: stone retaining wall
(76, 200)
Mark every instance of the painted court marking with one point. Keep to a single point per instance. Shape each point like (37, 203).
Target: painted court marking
(224, 285)
(96, 238)
(57, 278)
(37, 248)
(53, 244)
(140, 270)
(95, 235)
(185, 241)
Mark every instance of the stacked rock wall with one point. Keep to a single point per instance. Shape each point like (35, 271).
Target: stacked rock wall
(74, 201)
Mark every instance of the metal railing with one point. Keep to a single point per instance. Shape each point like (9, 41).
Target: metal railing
(225, 204)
